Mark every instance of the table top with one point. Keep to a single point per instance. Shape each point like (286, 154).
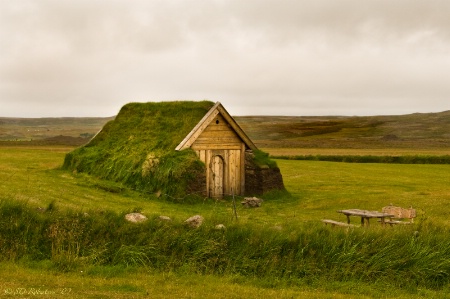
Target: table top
(364, 213)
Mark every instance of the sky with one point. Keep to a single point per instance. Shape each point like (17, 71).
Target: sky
(79, 58)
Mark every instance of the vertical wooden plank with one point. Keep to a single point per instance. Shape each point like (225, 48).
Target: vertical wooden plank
(242, 168)
(230, 171)
(211, 177)
(221, 176)
(202, 156)
(208, 172)
(237, 171)
(214, 176)
(227, 187)
(233, 171)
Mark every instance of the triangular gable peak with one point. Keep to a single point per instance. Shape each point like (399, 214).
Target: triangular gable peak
(209, 117)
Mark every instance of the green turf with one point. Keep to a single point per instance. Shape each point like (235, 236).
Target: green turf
(276, 243)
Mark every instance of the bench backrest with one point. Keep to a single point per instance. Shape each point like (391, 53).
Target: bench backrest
(399, 212)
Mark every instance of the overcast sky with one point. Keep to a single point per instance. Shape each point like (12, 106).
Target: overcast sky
(265, 57)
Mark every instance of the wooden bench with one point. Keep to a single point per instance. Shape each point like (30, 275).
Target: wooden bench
(337, 223)
(401, 215)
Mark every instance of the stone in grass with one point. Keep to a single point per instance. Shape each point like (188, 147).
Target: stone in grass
(194, 221)
(135, 217)
(164, 218)
(252, 202)
(220, 227)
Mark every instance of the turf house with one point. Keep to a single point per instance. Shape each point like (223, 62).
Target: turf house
(177, 149)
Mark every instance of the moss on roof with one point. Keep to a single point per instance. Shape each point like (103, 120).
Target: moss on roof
(137, 148)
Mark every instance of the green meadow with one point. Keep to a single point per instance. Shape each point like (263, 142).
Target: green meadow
(316, 189)
(64, 233)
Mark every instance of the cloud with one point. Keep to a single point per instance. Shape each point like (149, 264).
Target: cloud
(285, 57)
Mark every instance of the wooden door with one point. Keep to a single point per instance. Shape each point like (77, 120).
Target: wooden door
(217, 175)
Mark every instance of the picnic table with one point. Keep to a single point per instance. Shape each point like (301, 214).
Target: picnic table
(365, 215)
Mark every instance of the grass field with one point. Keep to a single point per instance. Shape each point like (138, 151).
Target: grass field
(317, 190)
(281, 250)
(20, 281)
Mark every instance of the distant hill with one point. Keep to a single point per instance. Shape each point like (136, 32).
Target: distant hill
(48, 131)
(418, 130)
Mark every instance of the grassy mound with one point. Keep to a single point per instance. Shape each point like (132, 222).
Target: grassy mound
(137, 148)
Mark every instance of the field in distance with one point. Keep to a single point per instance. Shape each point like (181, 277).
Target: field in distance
(426, 131)
(50, 131)
(418, 133)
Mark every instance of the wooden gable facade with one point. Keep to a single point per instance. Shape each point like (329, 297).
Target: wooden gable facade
(220, 143)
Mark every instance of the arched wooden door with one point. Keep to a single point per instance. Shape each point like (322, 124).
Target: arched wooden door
(217, 177)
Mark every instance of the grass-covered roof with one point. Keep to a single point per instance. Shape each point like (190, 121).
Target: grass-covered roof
(137, 148)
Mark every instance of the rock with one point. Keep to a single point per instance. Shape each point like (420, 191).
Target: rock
(164, 218)
(135, 217)
(194, 221)
(252, 202)
(220, 227)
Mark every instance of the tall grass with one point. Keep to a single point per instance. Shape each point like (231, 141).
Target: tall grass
(400, 256)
